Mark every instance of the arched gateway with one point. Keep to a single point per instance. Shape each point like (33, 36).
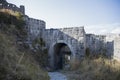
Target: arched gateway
(61, 55)
(65, 46)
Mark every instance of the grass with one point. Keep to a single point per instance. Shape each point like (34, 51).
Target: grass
(17, 61)
(10, 12)
(17, 65)
(95, 69)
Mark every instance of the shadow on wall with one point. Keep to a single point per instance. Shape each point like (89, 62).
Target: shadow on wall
(110, 49)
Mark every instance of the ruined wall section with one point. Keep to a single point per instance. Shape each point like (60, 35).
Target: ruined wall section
(110, 44)
(75, 37)
(117, 48)
(103, 44)
(90, 43)
(35, 28)
(95, 44)
(5, 5)
(78, 39)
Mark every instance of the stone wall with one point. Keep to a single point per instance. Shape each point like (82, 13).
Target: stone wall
(110, 44)
(77, 34)
(117, 48)
(5, 5)
(95, 44)
(74, 37)
(34, 27)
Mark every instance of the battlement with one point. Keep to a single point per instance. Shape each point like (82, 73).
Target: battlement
(5, 5)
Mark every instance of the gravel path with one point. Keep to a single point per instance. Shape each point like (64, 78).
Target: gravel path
(57, 76)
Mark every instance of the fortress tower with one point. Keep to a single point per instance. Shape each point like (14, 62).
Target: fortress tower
(22, 8)
(5, 5)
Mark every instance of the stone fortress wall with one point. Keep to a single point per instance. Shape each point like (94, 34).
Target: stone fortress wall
(95, 44)
(117, 47)
(75, 37)
(5, 5)
(107, 44)
(34, 27)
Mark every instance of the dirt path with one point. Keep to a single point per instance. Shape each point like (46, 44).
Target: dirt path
(57, 76)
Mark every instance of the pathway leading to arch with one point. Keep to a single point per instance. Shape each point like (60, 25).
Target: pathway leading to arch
(57, 76)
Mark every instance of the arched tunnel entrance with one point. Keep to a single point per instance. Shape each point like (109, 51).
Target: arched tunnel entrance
(62, 56)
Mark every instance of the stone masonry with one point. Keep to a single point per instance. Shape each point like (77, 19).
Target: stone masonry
(117, 47)
(75, 38)
(5, 5)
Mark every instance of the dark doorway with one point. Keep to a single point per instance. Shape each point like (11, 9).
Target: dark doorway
(62, 56)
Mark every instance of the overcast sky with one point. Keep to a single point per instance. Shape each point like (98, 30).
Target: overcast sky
(97, 16)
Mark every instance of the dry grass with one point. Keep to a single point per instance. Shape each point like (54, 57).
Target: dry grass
(16, 66)
(95, 69)
(16, 61)
(14, 13)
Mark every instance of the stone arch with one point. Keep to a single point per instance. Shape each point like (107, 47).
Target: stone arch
(52, 54)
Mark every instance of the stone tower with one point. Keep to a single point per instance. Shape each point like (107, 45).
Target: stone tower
(3, 1)
(22, 8)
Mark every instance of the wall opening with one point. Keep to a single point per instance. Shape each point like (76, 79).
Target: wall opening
(62, 56)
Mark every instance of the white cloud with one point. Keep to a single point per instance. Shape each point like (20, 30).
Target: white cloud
(103, 28)
(116, 30)
(103, 31)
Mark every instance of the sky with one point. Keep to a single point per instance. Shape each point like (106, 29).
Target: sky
(97, 16)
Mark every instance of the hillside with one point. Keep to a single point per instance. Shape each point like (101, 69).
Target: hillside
(16, 59)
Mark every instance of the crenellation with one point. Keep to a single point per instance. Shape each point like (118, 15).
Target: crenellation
(34, 27)
(5, 5)
(22, 9)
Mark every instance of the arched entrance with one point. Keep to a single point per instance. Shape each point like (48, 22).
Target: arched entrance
(62, 56)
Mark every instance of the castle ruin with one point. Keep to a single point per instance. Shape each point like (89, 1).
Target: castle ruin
(72, 43)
